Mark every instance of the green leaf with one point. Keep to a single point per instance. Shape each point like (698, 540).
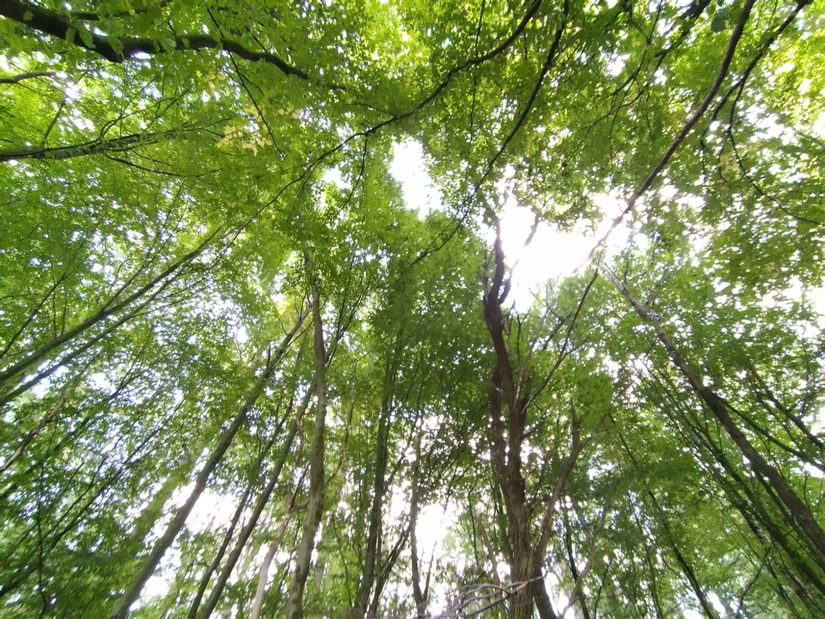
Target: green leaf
(158, 217)
(117, 45)
(86, 36)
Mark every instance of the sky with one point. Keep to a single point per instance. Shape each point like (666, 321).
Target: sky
(552, 254)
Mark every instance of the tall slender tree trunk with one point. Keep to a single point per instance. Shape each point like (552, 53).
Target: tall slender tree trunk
(257, 510)
(263, 575)
(154, 509)
(378, 491)
(508, 419)
(578, 596)
(162, 544)
(260, 591)
(216, 560)
(661, 519)
(315, 503)
(374, 527)
(419, 595)
(799, 511)
(230, 532)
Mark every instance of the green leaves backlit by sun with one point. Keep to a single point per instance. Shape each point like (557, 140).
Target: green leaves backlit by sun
(267, 343)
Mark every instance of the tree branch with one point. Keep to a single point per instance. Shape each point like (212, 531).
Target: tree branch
(16, 79)
(53, 24)
(692, 121)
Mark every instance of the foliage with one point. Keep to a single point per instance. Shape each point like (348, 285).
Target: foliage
(218, 309)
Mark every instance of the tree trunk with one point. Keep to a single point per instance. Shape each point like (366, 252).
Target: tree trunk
(508, 413)
(133, 590)
(257, 510)
(216, 561)
(419, 595)
(260, 592)
(315, 503)
(378, 490)
(150, 514)
(799, 512)
(540, 596)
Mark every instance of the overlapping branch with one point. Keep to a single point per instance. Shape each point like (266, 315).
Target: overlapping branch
(118, 50)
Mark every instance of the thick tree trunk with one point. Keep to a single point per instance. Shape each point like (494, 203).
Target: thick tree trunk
(521, 563)
(510, 401)
(508, 414)
(541, 597)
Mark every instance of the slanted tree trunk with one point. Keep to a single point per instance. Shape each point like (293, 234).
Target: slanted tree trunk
(152, 512)
(257, 510)
(263, 574)
(260, 591)
(173, 528)
(315, 502)
(216, 560)
(661, 519)
(113, 306)
(801, 515)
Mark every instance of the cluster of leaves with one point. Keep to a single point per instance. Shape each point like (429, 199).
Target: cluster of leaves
(190, 189)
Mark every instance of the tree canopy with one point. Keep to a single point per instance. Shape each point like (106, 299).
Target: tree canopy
(241, 374)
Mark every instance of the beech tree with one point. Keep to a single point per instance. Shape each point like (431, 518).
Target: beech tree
(243, 372)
